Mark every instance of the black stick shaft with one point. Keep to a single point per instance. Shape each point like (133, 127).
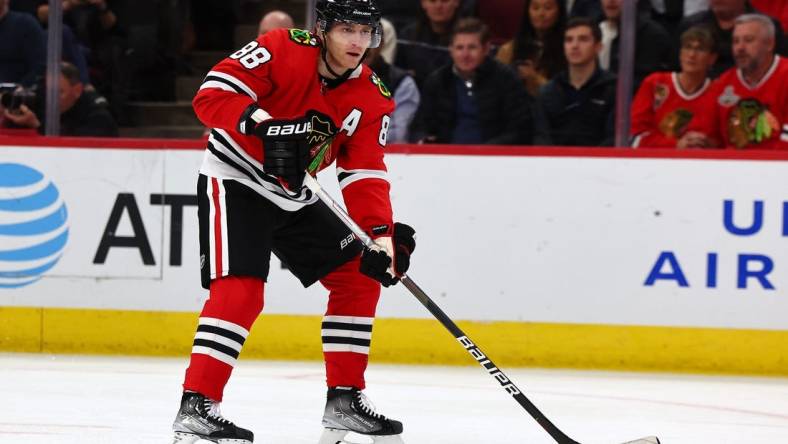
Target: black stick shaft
(474, 350)
(507, 384)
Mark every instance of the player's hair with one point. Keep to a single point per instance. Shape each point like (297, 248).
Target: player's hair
(766, 23)
(471, 25)
(701, 34)
(70, 72)
(577, 22)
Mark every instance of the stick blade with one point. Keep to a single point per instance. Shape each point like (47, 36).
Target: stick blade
(646, 440)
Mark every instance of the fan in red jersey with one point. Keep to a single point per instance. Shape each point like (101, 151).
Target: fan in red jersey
(287, 104)
(752, 98)
(671, 109)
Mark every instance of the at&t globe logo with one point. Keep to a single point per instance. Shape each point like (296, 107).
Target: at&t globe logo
(33, 225)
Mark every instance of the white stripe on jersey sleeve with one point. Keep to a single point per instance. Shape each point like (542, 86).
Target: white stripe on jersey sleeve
(235, 82)
(356, 175)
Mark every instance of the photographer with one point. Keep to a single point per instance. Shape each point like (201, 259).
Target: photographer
(82, 113)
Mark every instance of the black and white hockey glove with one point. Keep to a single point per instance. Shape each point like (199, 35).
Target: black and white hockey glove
(286, 143)
(391, 258)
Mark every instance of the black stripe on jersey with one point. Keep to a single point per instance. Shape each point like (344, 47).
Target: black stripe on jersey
(259, 176)
(343, 340)
(222, 332)
(229, 147)
(229, 351)
(346, 326)
(226, 82)
(343, 176)
(224, 158)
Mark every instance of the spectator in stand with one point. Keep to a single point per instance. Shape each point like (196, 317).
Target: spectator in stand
(577, 107)
(275, 20)
(71, 50)
(671, 109)
(22, 48)
(402, 88)
(752, 98)
(82, 113)
(401, 13)
(474, 99)
(389, 44)
(652, 51)
(721, 16)
(583, 8)
(537, 51)
(422, 45)
(774, 8)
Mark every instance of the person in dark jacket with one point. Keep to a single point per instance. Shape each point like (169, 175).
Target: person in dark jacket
(577, 107)
(720, 17)
(474, 99)
(22, 47)
(421, 46)
(82, 113)
(653, 46)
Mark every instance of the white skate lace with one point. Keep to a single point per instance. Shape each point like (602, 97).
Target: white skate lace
(212, 410)
(367, 406)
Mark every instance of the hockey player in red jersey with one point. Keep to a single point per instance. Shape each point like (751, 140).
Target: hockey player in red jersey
(671, 109)
(288, 104)
(752, 98)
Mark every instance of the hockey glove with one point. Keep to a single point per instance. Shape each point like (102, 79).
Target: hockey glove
(390, 258)
(285, 148)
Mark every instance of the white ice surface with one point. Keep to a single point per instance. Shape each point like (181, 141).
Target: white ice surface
(90, 400)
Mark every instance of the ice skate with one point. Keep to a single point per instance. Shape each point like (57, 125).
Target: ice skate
(200, 419)
(348, 411)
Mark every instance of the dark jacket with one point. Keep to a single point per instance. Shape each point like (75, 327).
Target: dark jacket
(653, 52)
(505, 109)
(22, 49)
(420, 51)
(570, 117)
(88, 117)
(725, 38)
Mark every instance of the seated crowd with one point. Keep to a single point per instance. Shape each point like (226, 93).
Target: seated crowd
(706, 73)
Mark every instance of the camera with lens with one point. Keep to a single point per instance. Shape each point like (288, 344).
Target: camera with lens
(14, 95)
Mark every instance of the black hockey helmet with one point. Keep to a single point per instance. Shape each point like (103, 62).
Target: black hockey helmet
(362, 12)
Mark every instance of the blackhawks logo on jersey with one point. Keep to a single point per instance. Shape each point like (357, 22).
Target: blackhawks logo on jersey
(320, 140)
(750, 121)
(382, 88)
(675, 123)
(303, 37)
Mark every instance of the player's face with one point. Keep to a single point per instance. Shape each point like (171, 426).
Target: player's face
(440, 11)
(580, 47)
(543, 14)
(695, 59)
(612, 9)
(751, 46)
(347, 43)
(468, 52)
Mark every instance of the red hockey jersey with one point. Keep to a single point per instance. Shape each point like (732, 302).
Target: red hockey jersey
(662, 111)
(754, 117)
(279, 73)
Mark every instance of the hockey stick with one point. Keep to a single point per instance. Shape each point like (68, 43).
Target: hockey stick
(506, 383)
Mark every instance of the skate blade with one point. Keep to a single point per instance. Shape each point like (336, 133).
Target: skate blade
(647, 440)
(336, 436)
(189, 438)
(185, 438)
